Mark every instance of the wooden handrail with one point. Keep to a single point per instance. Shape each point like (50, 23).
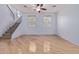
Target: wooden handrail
(11, 12)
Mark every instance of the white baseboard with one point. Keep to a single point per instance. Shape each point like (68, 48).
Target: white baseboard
(75, 43)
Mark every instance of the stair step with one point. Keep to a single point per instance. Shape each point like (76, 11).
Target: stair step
(6, 34)
(5, 37)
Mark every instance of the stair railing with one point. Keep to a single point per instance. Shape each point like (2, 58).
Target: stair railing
(11, 12)
(13, 15)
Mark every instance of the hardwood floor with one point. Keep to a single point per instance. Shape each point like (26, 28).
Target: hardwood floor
(37, 44)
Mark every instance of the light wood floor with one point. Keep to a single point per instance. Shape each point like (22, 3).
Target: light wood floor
(37, 44)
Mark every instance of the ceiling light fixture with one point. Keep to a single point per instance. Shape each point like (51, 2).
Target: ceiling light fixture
(39, 7)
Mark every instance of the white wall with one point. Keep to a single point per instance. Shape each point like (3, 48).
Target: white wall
(68, 23)
(23, 28)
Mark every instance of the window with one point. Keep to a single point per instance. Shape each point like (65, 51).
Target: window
(31, 20)
(47, 21)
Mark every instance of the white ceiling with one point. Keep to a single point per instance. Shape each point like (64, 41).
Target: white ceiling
(29, 8)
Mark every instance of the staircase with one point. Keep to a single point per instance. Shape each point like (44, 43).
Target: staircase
(10, 29)
(9, 32)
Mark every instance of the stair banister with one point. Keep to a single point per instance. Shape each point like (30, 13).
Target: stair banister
(11, 12)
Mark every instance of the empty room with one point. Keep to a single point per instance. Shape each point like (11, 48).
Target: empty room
(39, 28)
